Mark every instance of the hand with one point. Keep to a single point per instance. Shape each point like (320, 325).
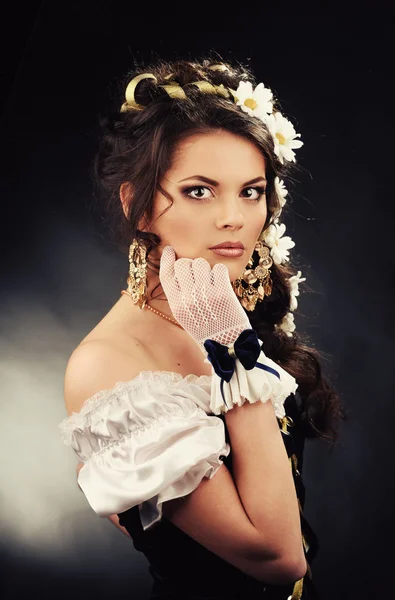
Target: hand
(202, 299)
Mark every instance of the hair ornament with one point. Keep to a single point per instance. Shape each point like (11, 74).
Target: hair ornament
(130, 91)
(208, 88)
(258, 102)
(174, 90)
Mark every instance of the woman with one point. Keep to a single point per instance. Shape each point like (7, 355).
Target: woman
(189, 409)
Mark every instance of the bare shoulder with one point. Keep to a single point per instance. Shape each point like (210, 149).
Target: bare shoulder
(99, 363)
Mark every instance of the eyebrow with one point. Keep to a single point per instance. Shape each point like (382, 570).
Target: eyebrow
(215, 183)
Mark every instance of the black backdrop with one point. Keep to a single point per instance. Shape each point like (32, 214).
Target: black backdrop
(333, 72)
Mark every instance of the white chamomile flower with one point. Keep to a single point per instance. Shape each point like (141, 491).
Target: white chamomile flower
(293, 304)
(284, 135)
(256, 102)
(278, 245)
(287, 324)
(280, 190)
(294, 288)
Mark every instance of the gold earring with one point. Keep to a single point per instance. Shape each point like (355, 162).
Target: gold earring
(249, 296)
(137, 279)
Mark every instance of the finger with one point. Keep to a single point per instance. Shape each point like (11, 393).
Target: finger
(201, 270)
(166, 267)
(221, 275)
(184, 275)
(222, 282)
(202, 276)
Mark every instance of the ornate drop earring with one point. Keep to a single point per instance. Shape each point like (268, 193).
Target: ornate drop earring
(249, 296)
(137, 279)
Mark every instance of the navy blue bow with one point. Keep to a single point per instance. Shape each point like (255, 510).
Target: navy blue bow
(246, 348)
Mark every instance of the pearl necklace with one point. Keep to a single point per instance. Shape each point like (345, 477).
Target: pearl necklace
(155, 310)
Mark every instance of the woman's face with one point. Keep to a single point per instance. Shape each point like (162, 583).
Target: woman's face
(216, 182)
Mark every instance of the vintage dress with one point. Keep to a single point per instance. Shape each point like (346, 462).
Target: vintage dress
(152, 439)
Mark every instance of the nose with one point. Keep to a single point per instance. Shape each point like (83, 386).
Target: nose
(230, 214)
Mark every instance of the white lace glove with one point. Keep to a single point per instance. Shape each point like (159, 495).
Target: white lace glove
(204, 303)
(202, 299)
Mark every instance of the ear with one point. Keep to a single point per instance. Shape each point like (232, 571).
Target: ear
(126, 197)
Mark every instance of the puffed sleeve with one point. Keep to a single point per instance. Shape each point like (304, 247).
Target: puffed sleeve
(145, 442)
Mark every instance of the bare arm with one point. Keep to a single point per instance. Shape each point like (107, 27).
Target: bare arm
(264, 480)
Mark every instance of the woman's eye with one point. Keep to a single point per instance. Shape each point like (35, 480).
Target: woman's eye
(257, 192)
(199, 190)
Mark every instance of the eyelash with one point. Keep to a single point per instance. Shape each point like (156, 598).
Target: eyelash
(261, 191)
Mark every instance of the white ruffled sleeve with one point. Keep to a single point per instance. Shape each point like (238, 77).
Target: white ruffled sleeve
(145, 442)
(266, 381)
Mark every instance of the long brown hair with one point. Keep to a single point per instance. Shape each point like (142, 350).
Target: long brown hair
(137, 148)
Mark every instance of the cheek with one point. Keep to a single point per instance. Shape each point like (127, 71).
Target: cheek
(264, 216)
(179, 225)
(169, 218)
(180, 219)
(260, 220)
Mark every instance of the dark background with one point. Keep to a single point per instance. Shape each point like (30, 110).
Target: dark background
(61, 67)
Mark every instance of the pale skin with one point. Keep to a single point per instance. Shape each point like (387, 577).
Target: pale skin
(232, 209)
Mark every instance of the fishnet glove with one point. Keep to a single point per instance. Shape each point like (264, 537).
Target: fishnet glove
(202, 299)
(204, 303)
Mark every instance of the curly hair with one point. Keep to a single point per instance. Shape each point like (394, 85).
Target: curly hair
(137, 147)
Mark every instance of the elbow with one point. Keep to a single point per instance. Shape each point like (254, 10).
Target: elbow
(283, 571)
(290, 564)
(291, 570)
